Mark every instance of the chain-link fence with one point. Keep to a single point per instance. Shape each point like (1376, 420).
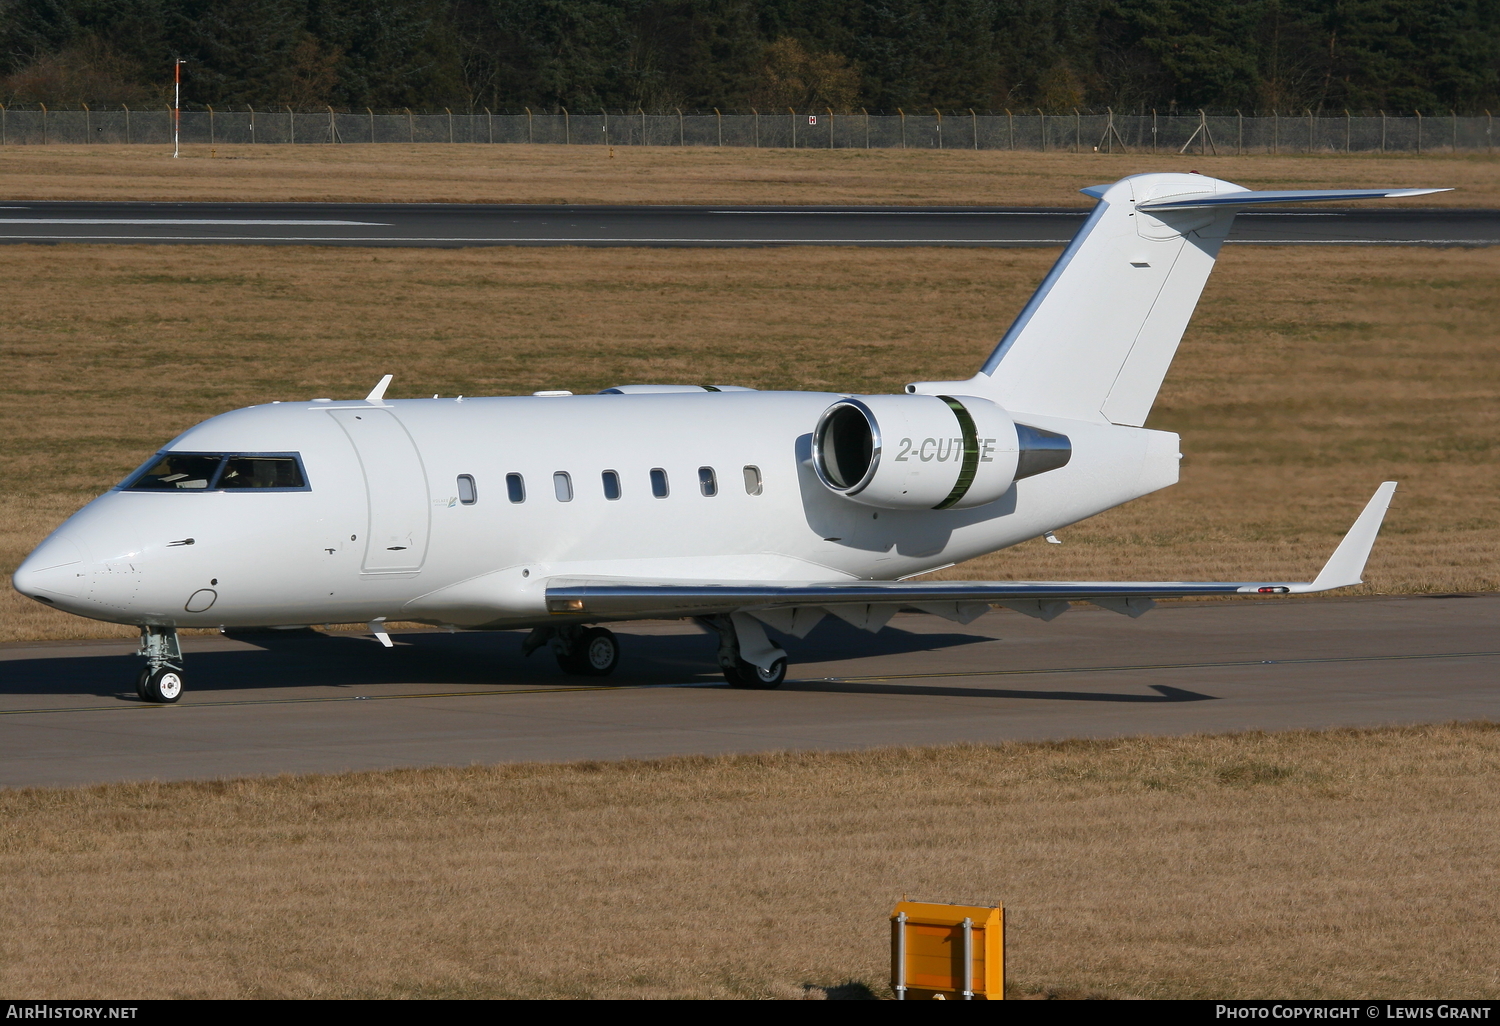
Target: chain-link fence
(1075, 132)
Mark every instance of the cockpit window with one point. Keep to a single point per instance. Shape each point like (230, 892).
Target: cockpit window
(176, 473)
(260, 472)
(201, 472)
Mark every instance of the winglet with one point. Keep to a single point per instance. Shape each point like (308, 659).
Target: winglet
(377, 394)
(1347, 563)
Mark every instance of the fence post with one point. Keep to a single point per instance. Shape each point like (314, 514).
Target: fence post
(88, 124)
(642, 112)
(719, 126)
(450, 122)
(1382, 131)
(1010, 127)
(681, 139)
(252, 121)
(1419, 131)
(1348, 123)
(411, 131)
(127, 124)
(371, 114)
(1042, 135)
(793, 115)
(1153, 130)
(939, 126)
(1309, 131)
(3, 124)
(1239, 137)
(1450, 111)
(44, 122)
(1077, 131)
(974, 121)
(867, 126)
(528, 123)
(333, 132)
(1489, 131)
(291, 125)
(1275, 132)
(567, 128)
(489, 121)
(830, 128)
(903, 126)
(211, 137)
(756, 115)
(604, 124)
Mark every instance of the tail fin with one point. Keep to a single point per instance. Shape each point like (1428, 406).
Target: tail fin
(1095, 341)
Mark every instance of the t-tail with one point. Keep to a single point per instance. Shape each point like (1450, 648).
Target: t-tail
(1095, 341)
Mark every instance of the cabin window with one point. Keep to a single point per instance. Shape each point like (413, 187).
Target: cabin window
(562, 484)
(752, 481)
(515, 487)
(611, 484)
(659, 483)
(708, 482)
(467, 494)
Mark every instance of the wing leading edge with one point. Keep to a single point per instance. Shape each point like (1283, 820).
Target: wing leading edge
(959, 600)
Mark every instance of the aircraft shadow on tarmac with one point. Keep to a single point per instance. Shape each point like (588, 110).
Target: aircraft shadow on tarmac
(284, 660)
(1164, 693)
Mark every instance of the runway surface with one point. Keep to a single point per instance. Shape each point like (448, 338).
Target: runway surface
(323, 703)
(457, 225)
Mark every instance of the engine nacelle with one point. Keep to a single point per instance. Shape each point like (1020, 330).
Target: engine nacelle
(916, 451)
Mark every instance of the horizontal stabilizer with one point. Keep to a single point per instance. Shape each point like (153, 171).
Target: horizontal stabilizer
(867, 603)
(1250, 198)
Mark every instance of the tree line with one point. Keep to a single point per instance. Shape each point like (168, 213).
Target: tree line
(1250, 55)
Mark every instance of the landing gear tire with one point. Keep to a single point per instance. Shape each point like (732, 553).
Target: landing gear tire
(594, 653)
(162, 685)
(140, 683)
(751, 677)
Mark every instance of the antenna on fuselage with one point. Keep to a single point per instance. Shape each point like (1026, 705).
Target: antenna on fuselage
(377, 394)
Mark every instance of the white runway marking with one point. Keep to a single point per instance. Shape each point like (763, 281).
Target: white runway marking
(188, 220)
(623, 240)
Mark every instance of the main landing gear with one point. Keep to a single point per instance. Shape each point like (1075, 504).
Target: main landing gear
(746, 655)
(161, 679)
(582, 651)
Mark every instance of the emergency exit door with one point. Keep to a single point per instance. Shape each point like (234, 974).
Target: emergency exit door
(396, 486)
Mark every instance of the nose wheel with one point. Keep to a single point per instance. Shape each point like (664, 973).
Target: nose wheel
(161, 680)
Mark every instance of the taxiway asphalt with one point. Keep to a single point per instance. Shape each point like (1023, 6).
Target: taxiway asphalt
(460, 225)
(309, 702)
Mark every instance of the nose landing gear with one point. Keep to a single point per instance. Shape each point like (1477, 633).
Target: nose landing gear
(161, 680)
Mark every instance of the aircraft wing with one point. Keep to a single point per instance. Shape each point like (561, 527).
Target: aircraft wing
(615, 597)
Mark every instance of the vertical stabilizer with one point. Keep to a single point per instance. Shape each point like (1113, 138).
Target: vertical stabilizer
(1095, 341)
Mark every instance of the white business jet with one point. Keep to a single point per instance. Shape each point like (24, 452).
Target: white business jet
(737, 507)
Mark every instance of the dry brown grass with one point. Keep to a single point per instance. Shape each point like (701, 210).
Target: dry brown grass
(1306, 378)
(1341, 864)
(587, 174)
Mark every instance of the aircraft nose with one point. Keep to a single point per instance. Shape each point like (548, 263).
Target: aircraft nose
(55, 570)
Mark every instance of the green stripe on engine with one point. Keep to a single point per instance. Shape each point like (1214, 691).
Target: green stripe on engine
(971, 452)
